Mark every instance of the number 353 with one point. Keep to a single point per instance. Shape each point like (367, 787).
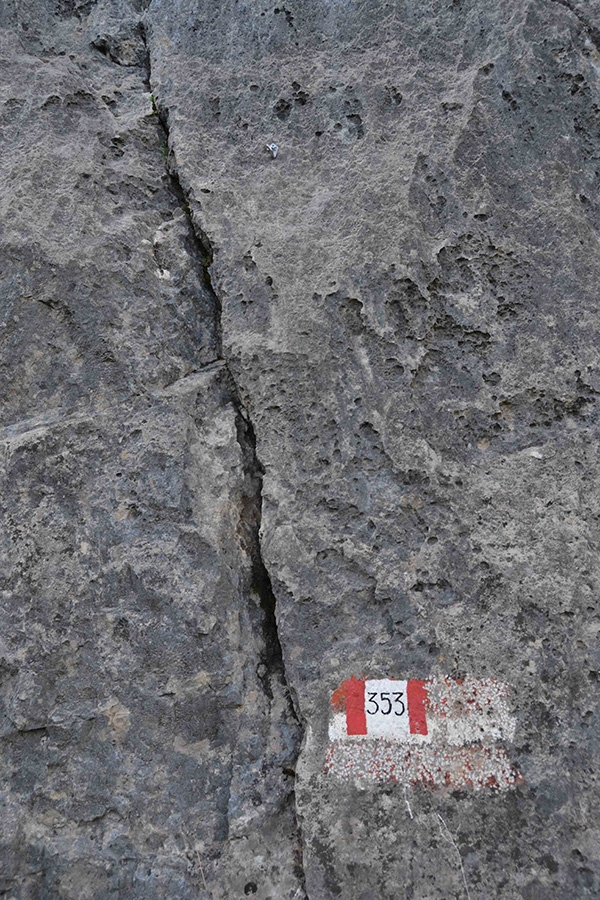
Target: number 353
(380, 702)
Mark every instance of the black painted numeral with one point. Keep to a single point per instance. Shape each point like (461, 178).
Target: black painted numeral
(373, 712)
(398, 699)
(379, 701)
(385, 698)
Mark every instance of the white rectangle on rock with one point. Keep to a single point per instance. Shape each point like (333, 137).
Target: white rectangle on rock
(386, 708)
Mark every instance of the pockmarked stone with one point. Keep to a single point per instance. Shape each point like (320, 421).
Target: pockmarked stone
(266, 423)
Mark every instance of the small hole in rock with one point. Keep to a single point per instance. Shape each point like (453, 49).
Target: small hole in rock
(282, 109)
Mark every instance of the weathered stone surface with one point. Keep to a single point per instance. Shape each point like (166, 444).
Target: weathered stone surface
(406, 300)
(148, 744)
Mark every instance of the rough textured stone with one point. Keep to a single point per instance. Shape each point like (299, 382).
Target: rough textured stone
(273, 422)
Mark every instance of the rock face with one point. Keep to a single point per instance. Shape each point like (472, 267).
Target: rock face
(276, 424)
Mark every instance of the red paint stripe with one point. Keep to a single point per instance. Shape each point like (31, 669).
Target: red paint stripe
(417, 694)
(356, 720)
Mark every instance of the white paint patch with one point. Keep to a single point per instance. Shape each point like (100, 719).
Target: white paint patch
(337, 727)
(386, 708)
(452, 733)
(434, 767)
(469, 711)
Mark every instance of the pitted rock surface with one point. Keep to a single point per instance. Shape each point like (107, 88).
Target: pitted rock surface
(271, 421)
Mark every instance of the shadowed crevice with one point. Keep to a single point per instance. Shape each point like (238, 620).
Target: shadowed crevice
(271, 666)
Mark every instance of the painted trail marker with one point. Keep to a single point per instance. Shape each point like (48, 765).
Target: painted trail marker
(438, 732)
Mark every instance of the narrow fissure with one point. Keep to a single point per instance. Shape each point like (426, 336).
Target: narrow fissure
(271, 666)
(271, 661)
(202, 245)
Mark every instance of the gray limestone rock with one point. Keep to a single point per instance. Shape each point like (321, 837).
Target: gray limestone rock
(272, 421)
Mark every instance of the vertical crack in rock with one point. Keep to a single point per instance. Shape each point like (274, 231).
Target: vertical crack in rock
(271, 663)
(199, 238)
(271, 667)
